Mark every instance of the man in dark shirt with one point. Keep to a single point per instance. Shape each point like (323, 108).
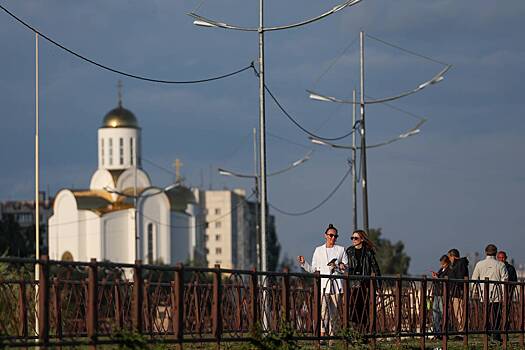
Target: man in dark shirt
(458, 271)
(513, 276)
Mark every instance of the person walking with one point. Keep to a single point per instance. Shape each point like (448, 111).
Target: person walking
(494, 270)
(328, 259)
(437, 304)
(458, 271)
(361, 262)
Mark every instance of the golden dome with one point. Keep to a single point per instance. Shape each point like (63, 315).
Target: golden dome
(120, 117)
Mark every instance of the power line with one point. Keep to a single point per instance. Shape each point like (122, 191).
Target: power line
(301, 213)
(406, 50)
(296, 123)
(335, 60)
(117, 71)
(169, 171)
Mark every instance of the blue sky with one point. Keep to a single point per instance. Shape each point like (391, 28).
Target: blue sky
(460, 183)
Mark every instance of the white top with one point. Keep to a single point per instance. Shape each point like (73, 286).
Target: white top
(322, 256)
(494, 270)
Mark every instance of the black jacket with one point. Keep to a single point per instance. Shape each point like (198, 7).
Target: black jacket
(511, 271)
(458, 271)
(438, 286)
(368, 262)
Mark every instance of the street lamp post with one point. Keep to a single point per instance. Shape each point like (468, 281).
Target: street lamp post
(261, 29)
(362, 125)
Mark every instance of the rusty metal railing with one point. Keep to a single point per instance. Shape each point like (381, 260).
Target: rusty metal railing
(90, 303)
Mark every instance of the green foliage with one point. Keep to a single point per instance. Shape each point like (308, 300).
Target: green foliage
(129, 340)
(18, 241)
(282, 340)
(391, 257)
(353, 338)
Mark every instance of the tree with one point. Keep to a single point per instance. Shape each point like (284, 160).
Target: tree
(18, 241)
(392, 258)
(273, 247)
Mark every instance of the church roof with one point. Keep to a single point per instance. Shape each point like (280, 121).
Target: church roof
(120, 117)
(98, 201)
(180, 196)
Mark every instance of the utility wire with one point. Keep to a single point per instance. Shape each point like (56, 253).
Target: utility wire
(117, 71)
(296, 123)
(406, 50)
(201, 216)
(335, 60)
(301, 213)
(287, 140)
(158, 166)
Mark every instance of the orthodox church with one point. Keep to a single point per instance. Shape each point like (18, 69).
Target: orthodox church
(122, 217)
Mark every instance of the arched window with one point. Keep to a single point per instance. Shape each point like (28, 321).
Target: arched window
(102, 151)
(110, 151)
(121, 150)
(131, 151)
(150, 243)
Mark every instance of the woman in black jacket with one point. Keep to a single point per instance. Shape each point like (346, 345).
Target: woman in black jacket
(361, 261)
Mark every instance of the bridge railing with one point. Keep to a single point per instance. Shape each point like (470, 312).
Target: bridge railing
(91, 303)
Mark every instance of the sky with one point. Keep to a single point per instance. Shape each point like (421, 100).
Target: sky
(460, 183)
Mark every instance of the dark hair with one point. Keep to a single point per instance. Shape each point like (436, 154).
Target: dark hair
(330, 227)
(454, 252)
(444, 258)
(368, 243)
(491, 250)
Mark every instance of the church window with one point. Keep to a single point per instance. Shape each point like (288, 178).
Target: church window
(217, 237)
(218, 251)
(218, 224)
(121, 150)
(217, 211)
(102, 151)
(131, 150)
(150, 243)
(110, 151)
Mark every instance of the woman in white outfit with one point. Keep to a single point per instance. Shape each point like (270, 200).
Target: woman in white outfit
(328, 259)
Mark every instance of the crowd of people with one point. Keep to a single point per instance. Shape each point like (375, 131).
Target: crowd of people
(359, 259)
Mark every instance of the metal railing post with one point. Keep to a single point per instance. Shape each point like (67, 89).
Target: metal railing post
(522, 315)
(446, 309)
(486, 316)
(423, 311)
(216, 305)
(177, 303)
(372, 311)
(285, 296)
(505, 315)
(92, 303)
(399, 308)
(58, 307)
(43, 301)
(346, 302)
(254, 296)
(465, 311)
(22, 310)
(138, 295)
(118, 304)
(317, 305)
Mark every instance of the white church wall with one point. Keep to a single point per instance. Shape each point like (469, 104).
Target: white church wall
(154, 222)
(127, 179)
(118, 147)
(88, 235)
(118, 235)
(63, 226)
(180, 237)
(101, 178)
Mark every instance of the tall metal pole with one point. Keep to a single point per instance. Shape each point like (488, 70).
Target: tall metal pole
(354, 163)
(262, 135)
(37, 165)
(257, 202)
(364, 183)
